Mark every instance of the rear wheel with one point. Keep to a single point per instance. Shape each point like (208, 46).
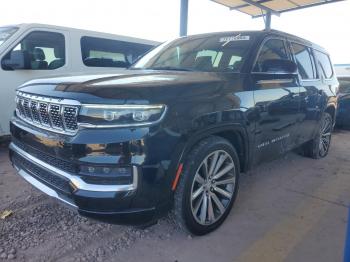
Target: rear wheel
(319, 146)
(208, 186)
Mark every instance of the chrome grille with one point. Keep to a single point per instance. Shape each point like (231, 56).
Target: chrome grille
(58, 115)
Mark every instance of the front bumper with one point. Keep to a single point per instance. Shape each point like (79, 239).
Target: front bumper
(103, 202)
(148, 155)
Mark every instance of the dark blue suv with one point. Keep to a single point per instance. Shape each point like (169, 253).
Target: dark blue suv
(177, 128)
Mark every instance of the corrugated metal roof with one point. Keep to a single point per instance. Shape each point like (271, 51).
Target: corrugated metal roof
(257, 8)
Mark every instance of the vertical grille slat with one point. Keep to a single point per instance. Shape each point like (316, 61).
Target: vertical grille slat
(70, 114)
(34, 109)
(43, 107)
(55, 116)
(27, 108)
(48, 113)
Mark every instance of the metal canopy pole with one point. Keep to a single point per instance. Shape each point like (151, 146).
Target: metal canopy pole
(268, 20)
(268, 12)
(183, 17)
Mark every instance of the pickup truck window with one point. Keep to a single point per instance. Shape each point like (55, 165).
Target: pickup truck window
(46, 50)
(100, 52)
(208, 54)
(344, 85)
(6, 33)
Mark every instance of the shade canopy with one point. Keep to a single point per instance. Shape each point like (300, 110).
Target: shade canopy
(257, 8)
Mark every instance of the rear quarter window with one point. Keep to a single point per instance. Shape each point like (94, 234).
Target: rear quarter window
(324, 63)
(305, 61)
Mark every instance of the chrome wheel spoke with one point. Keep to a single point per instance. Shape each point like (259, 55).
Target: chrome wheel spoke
(231, 180)
(225, 170)
(203, 215)
(205, 167)
(198, 204)
(219, 163)
(211, 216)
(223, 192)
(213, 162)
(197, 193)
(218, 204)
(199, 179)
(326, 134)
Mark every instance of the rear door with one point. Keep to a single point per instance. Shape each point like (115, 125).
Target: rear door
(276, 103)
(310, 92)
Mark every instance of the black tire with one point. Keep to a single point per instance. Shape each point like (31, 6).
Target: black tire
(314, 148)
(206, 150)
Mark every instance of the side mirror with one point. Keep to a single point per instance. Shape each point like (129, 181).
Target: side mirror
(18, 60)
(279, 66)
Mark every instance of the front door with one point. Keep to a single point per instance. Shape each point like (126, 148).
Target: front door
(277, 104)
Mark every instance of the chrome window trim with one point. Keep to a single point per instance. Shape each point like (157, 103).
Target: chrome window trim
(275, 81)
(75, 180)
(63, 101)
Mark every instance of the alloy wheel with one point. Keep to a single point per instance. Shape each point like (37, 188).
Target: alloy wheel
(213, 187)
(325, 139)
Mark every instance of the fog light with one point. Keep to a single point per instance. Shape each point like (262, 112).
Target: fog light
(105, 171)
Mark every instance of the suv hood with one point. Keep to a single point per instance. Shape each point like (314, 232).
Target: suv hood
(143, 86)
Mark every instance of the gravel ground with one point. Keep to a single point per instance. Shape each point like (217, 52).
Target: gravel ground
(40, 229)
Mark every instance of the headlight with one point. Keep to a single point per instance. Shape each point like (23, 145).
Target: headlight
(120, 115)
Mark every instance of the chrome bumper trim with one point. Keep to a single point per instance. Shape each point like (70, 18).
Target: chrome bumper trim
(36, 183)
(76, 181)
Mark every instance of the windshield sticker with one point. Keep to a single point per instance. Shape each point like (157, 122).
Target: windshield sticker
(228, 39)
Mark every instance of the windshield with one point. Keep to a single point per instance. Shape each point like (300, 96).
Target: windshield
(6, 32)
(220, 53)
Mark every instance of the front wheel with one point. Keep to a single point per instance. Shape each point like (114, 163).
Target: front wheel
(208, 186)
(319, 146)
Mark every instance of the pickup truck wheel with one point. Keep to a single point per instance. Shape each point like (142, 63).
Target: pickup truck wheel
(319, 146)
(208, 186)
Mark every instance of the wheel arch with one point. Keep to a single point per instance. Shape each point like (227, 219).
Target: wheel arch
(235, 134)
(331, 109)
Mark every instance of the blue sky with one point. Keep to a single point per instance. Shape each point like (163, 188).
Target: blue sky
(326, 25)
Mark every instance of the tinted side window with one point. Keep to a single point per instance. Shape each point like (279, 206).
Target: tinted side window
(344, 85)
(305, 61)
(324, 63)
(46, 50)
(100, 52)
(272, 49)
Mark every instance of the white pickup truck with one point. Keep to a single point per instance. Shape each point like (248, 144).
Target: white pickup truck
(30, 51)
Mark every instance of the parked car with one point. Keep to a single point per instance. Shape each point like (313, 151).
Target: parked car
(30, 51)
(343, 114)
(178, 128)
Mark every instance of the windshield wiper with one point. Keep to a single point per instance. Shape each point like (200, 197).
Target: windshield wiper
(170, 68)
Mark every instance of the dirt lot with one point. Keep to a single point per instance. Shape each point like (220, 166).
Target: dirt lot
(292, 209)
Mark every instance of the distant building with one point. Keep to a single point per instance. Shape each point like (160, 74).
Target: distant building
(342, 69)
